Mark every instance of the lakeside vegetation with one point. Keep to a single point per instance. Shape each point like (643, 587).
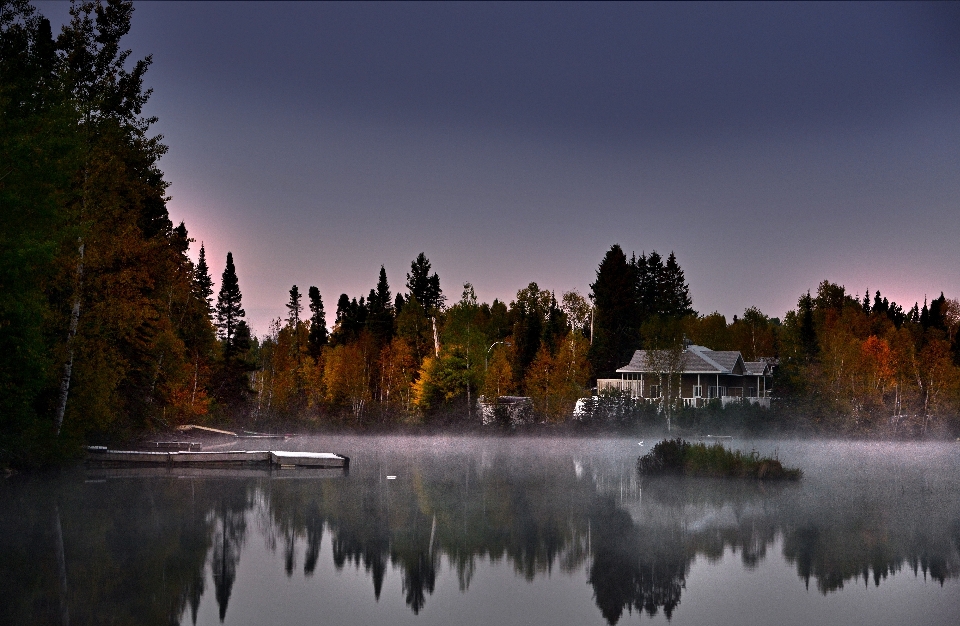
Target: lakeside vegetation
(109, 330)
(677, 456)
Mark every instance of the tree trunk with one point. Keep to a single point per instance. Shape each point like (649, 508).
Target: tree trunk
(68, 365)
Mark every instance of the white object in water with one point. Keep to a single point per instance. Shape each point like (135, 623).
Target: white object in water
(640, 444)
(391, 477)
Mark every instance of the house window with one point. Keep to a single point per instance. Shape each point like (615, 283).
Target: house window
(654, 391)
(697, 391)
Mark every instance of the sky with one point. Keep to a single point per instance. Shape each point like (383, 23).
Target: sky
(769, 146)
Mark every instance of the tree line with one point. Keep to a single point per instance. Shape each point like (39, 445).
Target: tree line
(105, 329)
(108, 329)
(411, 358)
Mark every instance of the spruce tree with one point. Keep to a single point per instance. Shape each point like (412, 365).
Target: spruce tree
(656, 295)
(318, 324)
(424, 287)
(677, 302)
(202, 283)
(617, 316)
(229, 312)
(294, 307)
(380, 307)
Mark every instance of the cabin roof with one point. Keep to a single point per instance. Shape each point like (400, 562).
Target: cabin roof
(697, 360)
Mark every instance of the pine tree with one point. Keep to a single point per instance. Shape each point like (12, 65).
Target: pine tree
(202, 283)
(318, 324)
(229, 312)
(294, 307)
(424, 287)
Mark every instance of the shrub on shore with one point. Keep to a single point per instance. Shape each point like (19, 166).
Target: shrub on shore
(676, 456)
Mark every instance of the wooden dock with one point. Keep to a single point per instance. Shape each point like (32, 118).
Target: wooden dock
(243, 434)
(235, 458)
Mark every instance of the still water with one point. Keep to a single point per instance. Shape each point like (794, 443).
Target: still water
(490, 531)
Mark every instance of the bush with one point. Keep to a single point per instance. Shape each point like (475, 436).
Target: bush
(676, 456)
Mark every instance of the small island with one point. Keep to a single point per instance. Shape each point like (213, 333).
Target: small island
(677, 456)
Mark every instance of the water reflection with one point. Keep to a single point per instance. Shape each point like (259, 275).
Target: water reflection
(142, 544)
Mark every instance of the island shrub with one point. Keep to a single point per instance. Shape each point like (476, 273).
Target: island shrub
(676, 456)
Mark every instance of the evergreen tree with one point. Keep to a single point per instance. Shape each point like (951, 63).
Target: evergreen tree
(617, 315)
(914, 314)
(229, 311)
(878, 304)
(318, 324)
(424, 286)
(351, 319)
(653, 300)
(202, 283)
(676, 293)
(936, 317)
(808, 334)
(866, 302)
(528, 314)
(294, 307)
(380, 309)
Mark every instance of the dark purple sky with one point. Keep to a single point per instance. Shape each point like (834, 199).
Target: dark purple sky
(771, 146)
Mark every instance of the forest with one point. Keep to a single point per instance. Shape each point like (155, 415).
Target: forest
(109, 330)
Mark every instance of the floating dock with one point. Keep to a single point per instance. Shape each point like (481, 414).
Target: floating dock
(236, 458)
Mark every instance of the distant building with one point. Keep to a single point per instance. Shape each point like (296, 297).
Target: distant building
(704, 375)
(510, 411)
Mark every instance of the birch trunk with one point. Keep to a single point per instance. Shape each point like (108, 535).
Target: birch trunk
(68, 365)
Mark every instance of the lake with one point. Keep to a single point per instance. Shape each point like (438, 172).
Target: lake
(495, 530)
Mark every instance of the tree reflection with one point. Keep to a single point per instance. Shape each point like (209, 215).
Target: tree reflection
(140, 543)
(231, 528)
(633, 570)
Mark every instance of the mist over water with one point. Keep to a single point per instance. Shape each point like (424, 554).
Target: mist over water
(491, 530)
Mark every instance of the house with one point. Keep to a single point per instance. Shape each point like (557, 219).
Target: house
(704, 375)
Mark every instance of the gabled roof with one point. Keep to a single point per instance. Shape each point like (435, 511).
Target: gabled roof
(757, 368)
(696, 360)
